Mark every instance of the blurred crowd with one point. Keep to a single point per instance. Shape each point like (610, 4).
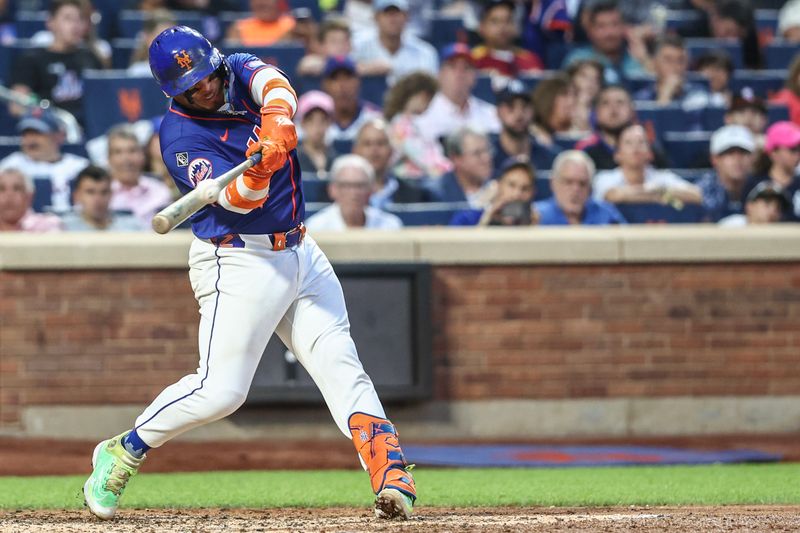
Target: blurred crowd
(433, 112)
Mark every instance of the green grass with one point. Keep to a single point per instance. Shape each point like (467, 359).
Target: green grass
(678, 485)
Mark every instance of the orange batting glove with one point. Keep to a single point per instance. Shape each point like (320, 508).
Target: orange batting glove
(273, 156)
(277, 126)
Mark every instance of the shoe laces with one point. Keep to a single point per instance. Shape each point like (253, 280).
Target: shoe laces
(117, 479)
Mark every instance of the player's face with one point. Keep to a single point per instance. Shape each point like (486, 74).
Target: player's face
(205, 95)
(94, 198)
(571, 188)
(125, 159)
(14, 198)
(373, 145)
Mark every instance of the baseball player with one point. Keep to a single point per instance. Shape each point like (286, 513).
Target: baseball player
(253, 269)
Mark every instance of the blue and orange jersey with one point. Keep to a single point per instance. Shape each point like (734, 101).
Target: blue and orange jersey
(198, 146)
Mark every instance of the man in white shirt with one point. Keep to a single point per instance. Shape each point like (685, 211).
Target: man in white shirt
(391, 51)
(131, 190)
(454, 107)
(352, 181)
(42, 160)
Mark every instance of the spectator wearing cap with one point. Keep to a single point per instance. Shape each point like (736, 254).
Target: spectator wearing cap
(510, 204)
(716, 66)
(765, 204)
(572, 202)
(789, 21)
(515, 111)
(406, 100)
(749, 110)
(16, 197)
(391, 51)
(341, 81)
(779, 164)
(636, 181)
(352, 182)
(606, 31)
(334, 41)
(790, 94)
(471, 154)
(454, 106)
(732, 148)
(91, 198)
(670, 62)
(42, 159)
(314, 112)
(497, 54)
(372, 143)
(268, 24)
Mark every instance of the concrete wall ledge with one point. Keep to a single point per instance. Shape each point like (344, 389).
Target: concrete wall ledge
(442, 246)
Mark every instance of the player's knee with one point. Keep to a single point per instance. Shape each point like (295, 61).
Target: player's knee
(221, 403)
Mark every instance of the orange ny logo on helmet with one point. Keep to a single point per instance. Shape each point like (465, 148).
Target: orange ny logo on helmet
(183, 59)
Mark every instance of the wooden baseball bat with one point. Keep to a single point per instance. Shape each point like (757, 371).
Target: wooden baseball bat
(206, 192)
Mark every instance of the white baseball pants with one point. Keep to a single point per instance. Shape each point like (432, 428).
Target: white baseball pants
(246, 294)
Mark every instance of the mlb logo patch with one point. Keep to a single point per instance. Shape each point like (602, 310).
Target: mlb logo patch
(182, 159)
(199, 170)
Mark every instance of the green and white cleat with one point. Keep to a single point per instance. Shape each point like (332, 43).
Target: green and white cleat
(391, 504)
(113, 467)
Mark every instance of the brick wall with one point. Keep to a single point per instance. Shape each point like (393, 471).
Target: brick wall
(118, 337)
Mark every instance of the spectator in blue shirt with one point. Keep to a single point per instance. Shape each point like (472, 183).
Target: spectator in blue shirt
(471, 154)
(572, 203)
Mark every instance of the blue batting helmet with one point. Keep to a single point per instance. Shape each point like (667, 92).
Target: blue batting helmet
(181, 57)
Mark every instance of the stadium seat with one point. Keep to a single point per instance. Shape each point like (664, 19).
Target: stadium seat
(121, 52)
(780, 54)
(284, 56)
(766, 24)
(130, 22)
(42, 194)
(662, 118)
(543, 190)
(343, 146)
(661, 214)
(313, 207)
(446, 30)
(30, 22)
(8, 145)
(314, 189)
(687, 149)
(680, 18)
(690, 174)
(427, 214)
(8, 123)
(699, 46)
(373, 89)
(554, 55)
(764, 83)
(75, 149)
(483, 89)
(116, 97)
(714, 118)
(776, 112)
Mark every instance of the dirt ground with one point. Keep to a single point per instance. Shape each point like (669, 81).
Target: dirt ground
(49, 457)
(431, 520)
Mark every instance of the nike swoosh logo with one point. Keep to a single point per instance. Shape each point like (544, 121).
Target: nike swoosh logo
(224, 138)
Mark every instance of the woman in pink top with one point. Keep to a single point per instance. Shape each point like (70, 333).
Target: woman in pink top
(790, 95)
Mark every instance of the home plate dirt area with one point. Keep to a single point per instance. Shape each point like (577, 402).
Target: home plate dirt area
(441, 519)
